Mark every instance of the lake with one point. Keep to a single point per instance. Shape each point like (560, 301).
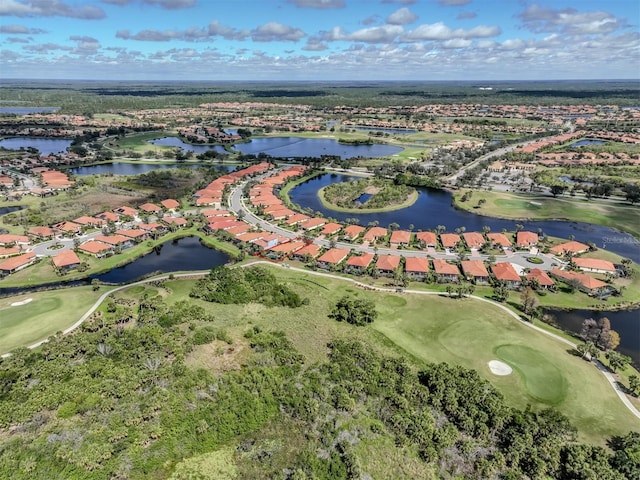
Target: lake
(626, 323)
(187, 147)
(434, 207)
(28, 110)
(5, 210)
(587, 141)
(46, 146)
(119, 168)
(288, 147)
(182, 254)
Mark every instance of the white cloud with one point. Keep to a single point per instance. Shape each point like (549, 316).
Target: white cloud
(403, 16)
(541, 19)
(318, 3)
(49, 8)
(439, 31)
(276, 32)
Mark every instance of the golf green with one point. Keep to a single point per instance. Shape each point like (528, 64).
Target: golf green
(543, 380)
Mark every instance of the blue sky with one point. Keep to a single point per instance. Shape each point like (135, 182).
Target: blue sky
(320, 39)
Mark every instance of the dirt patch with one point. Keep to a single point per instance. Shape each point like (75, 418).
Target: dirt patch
(372, 190)
(217, 356)
(23, 302)
(499, 368)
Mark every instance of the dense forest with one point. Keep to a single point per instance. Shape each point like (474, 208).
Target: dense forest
(117, 400)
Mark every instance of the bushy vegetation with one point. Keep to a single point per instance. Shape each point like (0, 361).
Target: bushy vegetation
(245, 285)
(383, 193)
(356, 311)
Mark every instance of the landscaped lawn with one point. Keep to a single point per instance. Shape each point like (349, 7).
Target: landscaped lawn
(518, 206)
(47, 313)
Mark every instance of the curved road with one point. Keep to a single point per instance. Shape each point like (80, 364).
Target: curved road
(599, 365)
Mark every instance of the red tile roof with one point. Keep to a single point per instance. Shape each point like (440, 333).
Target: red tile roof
(540, 276)
(442, 267)
(353, 231)
(594, 264)
(449, 240)
(499, 239)
(504, 271)
(65, 259)
(334, 255)
(360, 261)
(400, 236)
(429, 238)
(312, 250)
(416, 265)
(374, 233)
(388, 262)
(571, 247)
(331, 228)
(93, 246)
(170, 203)
(12, 263)
(473, 239)
(474, 268)
(526, 239)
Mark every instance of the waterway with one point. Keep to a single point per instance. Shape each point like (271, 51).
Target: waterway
(289, 147)
(187, 147)
(183, 254)
(587, 141)
(118, 168)
(46, 146)
(28, 110)
(625, 322)
(435, 207)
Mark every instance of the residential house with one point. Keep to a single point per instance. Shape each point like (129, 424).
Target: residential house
(504, 272)
(311, 250)
(526, 239)
(388, 264)
(352, 232)
(331, 228)
(68, 228)
(540, 278)
(500, 239)
(109, 217)
(284, 249)
(97, 249)
(41, 233)
(136, 234)
(446, 272)
(374, 233)
(332, 257)
(416, 268)
(14, 264)
(400, 238)
(428, 239)
(449, 240)
(296, 219)
(9, 251)
(126, 211)
(170, 204)
(313, 223)
(585, 283)
(9, 239)
(474, 240)
(475, 271)
(118, 241)
(595, 265)
(151, 208)
(66, 260)
(175, 222)
(358, 264)
(572, 248)
(90, 222)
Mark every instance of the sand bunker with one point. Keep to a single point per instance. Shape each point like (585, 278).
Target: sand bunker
(23, 302)
(499, 368)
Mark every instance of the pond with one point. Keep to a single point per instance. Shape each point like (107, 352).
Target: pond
(187, 147)
(288, 147)
(625, 322)
(118, 168)
(15, 208)
(46, 146)
(570, 180)
(28, 110)
(434, 207)
(185, 254)
(587, 141)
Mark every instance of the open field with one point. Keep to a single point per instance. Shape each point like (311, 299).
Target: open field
(518, 206)
(46, 313)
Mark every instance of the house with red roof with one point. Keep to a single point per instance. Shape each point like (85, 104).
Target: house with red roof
(427, 239)
(136, 234)
(474, 240)
(504, 272)
(388, 264)
(178, 222)
(311, 250)
(540, 278)
(296, 219)
(591, 286)
(9, 251)
(332, 257)
(358, 264)
(66, 260)
(416, 268)
(526, 239)
(475, 271)
(109, 216)
(595, 265)
(41, 233)
(9, 239)
(150, 208)
(449, 240)
(400, 238)
(68, 228)
(87, 221)
(119, 241)
(446, 272)
(127, 211)
(374, 233)
(17, 263)
(284, 249)
(499, 239)
(313, 223)
(170, 204)
(572, 248)
(331, 228)
(352, 232)
(238, 229)
(97, 249)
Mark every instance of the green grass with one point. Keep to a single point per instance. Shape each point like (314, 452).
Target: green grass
(47, 313)
(621, 216)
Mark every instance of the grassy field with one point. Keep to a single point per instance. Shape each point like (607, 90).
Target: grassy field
(518, 206)
(47, 313)
(426, 328)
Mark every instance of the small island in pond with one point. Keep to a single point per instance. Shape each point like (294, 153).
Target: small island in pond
(371, 195)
